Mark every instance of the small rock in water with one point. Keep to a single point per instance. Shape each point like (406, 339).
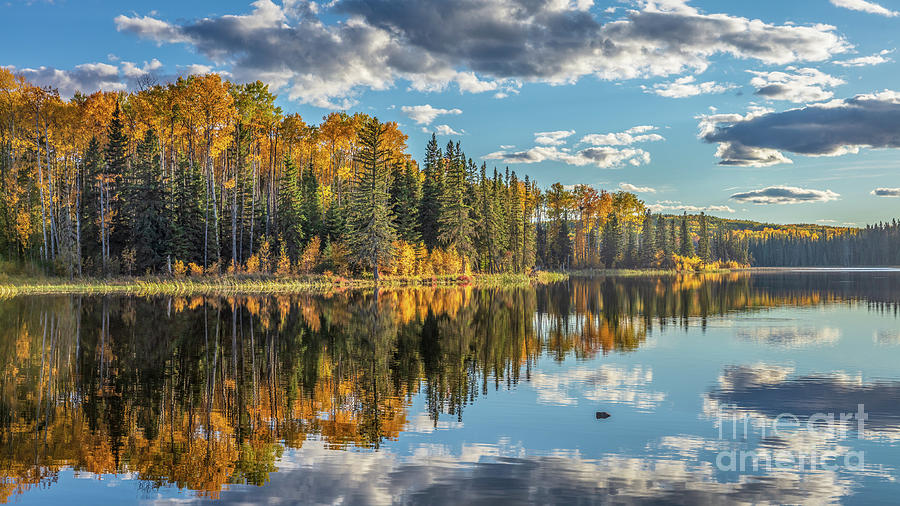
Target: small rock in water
(601, 415)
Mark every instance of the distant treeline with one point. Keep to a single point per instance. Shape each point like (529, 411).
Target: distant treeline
(871, 246)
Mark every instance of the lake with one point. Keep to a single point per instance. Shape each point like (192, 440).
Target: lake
(776, 387)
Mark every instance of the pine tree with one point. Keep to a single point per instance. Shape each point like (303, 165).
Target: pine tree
(703, 247)
(455, 223)
(371, 223)
(632, 253)
(145, 204)
(290, 209)
(311, 205)
(648, 242)
(673, 241)
(116, 157)
(92, 169)
(187, 216)
(687, 242)
(405, 203)
(432, 189)
(611, 242)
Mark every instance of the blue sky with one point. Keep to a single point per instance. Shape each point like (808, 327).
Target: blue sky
(770, 110)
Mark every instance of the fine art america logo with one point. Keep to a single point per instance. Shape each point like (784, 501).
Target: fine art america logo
(775, 435)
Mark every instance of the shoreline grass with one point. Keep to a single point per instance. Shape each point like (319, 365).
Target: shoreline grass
(647, 272)
(226, 285)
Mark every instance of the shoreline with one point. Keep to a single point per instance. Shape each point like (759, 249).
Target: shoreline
(258, 285)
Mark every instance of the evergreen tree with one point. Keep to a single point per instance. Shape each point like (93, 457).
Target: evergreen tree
(405, 203)
(673, 242)
(648, 242)
(611, 242)
(455, 223)
(632, 253)
(370, 225)
(334, 226)
(432, 189)
(92, 170)
(116, 157)
(145, 204)
(687, 243)
(311, 206)
(290, 209)
(187, 216)
(703, 247)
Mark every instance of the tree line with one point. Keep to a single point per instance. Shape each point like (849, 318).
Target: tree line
(877, 244)
(202, 175)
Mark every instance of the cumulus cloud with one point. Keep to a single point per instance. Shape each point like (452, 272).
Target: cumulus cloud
(425, 114)
(886, 192)
(603, 150)
(603, 157)
(86, 78)
(555, 138)
(641, 133)
(834, 128)
(863, 61)
(864, 6)
(480, 45)
(688, 86)
(785, 195)
(795, 85)
(442, 130)
(636, 189)
(132, 71)
(677, 206)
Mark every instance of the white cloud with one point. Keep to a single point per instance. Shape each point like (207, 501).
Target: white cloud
(864, 6)
(636, 189)
(555, 138)
(425, 114)
(603, 157)
(632, 135)
(441, 130)
(676, 206)
(886, 192)
(86, 78)
(688, 87)
(131, 70)
(863, 61)
(785, 195)
(796, 85)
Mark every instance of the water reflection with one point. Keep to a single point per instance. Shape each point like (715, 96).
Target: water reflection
(199, 393)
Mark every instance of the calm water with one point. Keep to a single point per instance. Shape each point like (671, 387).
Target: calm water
(460, 395)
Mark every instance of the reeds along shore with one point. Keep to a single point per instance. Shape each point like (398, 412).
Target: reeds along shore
(249, 284)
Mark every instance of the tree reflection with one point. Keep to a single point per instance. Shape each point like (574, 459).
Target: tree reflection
(203, 392)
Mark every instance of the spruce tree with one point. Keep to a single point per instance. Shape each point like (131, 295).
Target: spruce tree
(611, 242)
(432, 189)
(687, 243)
(290, 209)
(145, 204)
(370, 225)
(311, 205)
(648, 242)
(405, 203)
(92, 170)
(703, 247)
(187, 216)
(673, 233)
(116, 157)
(455, 223)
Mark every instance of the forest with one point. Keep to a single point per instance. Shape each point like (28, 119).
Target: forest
(207, 176)
(203, 176)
